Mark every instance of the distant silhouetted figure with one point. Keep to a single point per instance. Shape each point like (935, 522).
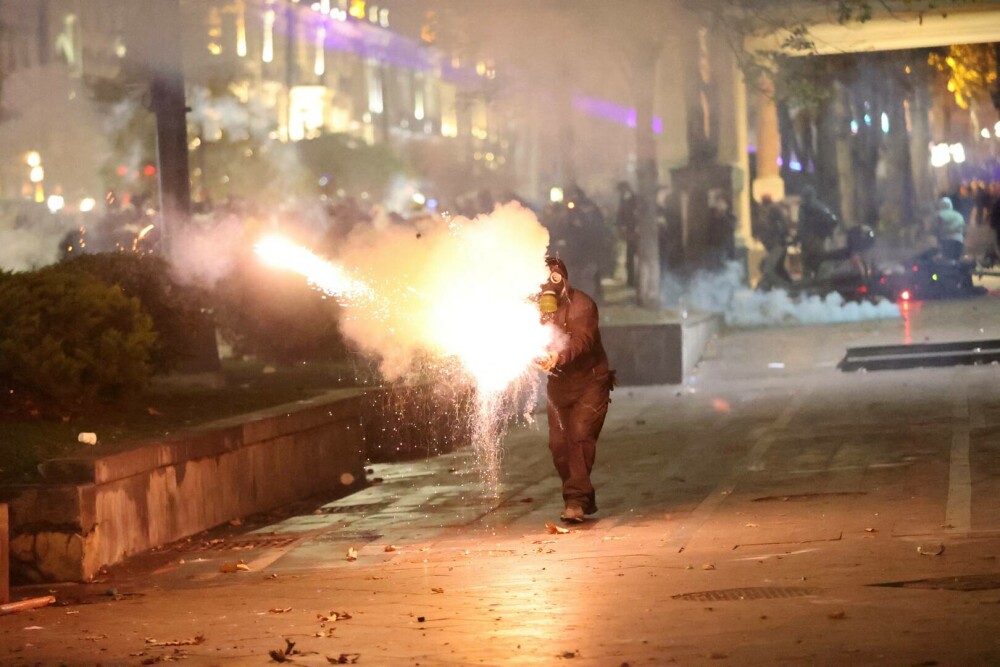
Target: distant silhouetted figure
(816, 225)
(627, 221)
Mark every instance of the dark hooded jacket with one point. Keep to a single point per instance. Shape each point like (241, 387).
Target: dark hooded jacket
(582, 359)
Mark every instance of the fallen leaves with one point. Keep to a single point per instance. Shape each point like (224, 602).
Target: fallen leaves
(437, 590)
(838, 616)
(708, 566)
(333, 617)
(238, 566)
(279, 655)
(554, 529)
(344, 659)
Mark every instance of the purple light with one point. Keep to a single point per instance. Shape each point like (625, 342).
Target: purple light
(607, 110)
(366, 41)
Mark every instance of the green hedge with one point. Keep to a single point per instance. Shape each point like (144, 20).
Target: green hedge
(68, 338)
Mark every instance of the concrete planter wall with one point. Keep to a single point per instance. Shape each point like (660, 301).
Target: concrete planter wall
(661, 352)
(95, 510)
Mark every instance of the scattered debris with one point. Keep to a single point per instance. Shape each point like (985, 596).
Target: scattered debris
(930, 549)
(838, 616)
(279, 610)
(344, 659)
(87, 438)
(95, 638)
(437, 590)
(421, 619)
(526, 500)
(153, 412)
(556, 530)
(230, 568)
(569, 654)
(352, 554)
(334, 616)
(194, 641)
(376, 480)
(389, 548)
(871, 530)
(752, 525)
(25, 605)
(236, 523)
(282, 656)
(708, 566)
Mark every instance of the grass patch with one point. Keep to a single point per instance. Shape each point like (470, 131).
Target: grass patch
(26, 442)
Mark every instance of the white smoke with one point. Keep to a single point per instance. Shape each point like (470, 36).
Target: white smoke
(723, 292)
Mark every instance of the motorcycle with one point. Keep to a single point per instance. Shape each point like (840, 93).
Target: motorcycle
(931, 275)
(847, 270)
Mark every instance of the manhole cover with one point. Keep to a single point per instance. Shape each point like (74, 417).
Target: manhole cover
(809, 496)
(756, 593)
(968, 582)
(241, 544)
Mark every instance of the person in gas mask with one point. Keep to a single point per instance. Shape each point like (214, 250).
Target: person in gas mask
(578, 389)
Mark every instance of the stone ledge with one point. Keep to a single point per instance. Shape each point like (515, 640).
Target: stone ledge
(120, 503)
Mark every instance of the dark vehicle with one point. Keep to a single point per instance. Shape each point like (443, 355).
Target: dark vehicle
(848, 270)
(931, 275)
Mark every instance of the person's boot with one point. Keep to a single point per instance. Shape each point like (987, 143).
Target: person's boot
(572, 514)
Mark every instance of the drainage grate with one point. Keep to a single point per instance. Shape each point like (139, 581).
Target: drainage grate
(242, 544)
(809, 496)
(361, 509)
(756, 593)
(344, 536)
(968, 582)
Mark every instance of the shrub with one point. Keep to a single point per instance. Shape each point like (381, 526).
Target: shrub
(176, 310)
(67, 337)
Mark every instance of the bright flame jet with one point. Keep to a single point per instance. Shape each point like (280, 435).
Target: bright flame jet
(459, 291)
(281, 253)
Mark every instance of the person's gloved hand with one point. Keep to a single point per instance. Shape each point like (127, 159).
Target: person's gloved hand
(548, 362)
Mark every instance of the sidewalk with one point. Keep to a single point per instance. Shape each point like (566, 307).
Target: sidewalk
(766, 512)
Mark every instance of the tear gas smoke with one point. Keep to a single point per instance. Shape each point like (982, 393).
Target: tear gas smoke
(452, 296)
(723, 292)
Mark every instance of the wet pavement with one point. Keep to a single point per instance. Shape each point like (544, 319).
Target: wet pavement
(772, 510)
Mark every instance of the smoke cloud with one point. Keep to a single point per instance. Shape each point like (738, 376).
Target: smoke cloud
(451, 289)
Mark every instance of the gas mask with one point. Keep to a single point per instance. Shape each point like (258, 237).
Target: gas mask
(552, 291)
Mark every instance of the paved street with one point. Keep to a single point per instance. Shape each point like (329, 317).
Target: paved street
(773, 510)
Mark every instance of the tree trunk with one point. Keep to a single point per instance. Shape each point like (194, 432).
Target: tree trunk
(920, 137)
(648, 266)
(897, 209)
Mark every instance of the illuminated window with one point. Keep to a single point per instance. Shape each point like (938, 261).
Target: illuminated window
(241, 30)
(306, 111)
(268, 54)
(319, 66)
(418, 102)
(449, 111)
(374, 80)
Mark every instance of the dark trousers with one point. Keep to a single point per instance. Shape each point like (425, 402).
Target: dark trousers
(575, 421)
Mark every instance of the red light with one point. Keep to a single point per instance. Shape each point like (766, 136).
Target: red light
(863, 289)
(149, 170)
(882, 281)
(914, 268)
(122, 171)
(905, 296)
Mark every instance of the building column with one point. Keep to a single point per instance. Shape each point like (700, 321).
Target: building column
(768, 180)
(734, 147)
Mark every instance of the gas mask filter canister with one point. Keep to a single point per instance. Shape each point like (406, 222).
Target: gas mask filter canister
(548, 301)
